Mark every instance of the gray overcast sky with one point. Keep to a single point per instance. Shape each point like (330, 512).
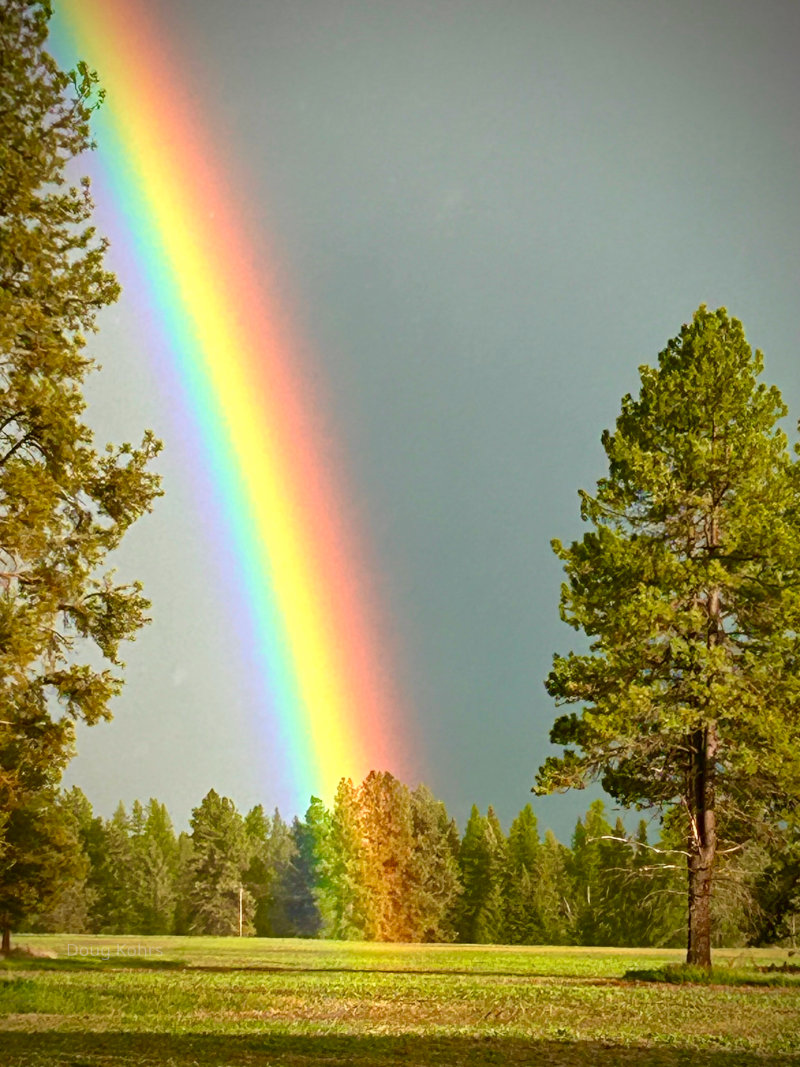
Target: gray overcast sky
(488, 214)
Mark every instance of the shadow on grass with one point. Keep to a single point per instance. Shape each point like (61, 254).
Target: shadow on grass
(168, 1050)
(682, 974)
(88, 963)
(395, 972)
(94, 963)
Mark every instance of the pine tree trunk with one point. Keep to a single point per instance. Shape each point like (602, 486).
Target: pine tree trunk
(702, 846)
(5, 948)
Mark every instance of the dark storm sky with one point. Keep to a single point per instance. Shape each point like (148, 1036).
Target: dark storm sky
(487, 215)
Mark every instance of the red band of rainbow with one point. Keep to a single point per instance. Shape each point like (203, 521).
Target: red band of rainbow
(326, 687)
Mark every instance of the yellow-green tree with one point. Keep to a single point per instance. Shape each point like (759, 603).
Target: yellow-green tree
(64, 504)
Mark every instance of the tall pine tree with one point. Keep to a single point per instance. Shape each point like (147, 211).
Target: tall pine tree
(216, 868)
(688, 586)
(155, 858)
(307, 888)
(524, 925)
(64, 506)
(481, 911)
(434, 884)
(345, 899)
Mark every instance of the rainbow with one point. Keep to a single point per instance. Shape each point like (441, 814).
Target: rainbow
(325, 689)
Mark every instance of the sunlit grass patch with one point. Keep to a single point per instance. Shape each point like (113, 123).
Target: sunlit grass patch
(216, 1000)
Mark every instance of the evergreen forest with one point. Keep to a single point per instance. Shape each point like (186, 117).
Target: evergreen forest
(388, 863)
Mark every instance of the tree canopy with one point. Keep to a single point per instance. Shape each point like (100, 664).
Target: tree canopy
(64, 504)
(688, 588)
(129, 874)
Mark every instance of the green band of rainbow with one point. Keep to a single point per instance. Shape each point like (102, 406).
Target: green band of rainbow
(326, 687)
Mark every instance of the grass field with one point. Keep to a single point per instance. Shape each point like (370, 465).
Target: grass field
(182, 1001)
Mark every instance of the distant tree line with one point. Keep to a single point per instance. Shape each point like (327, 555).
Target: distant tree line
(388, 863)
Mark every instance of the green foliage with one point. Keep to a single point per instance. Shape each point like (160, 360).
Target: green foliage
(688, 586)
(240, 1003)
(388, 868)
(345, 899)
(774, 900)
(72, 898)
(114, 874)
(307, 885)
(183, 884)
(258, 876)
(524, 881)
(387, 847)
(220, 854)
(64, 505)
(40, 858)
(155, 865)
(554, 892)
(482, 863)
(589, 855)
(685, 974)
(434, 885)
(273, 851)
(625, 891)
(408, 871)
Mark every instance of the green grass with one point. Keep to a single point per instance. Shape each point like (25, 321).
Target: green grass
(226, 1001)
(682, 974)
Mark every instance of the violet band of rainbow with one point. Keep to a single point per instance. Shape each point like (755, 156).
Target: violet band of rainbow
(326, 684)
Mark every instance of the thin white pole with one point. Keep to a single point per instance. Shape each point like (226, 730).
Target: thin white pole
(240, 911)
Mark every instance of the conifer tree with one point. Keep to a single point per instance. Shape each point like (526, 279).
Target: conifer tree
(524, 845)
(434, 884)
(258, 876)
(299, 883)
(216, 868)
(555, 898)
(346, 901)
(307, 886)
(41, 856)
(523, 916)
(281, 855)
(384, 862)
(688, 586)
(776, 889)
(387, 857)
(155, 859)
(623, 918)
(92, 838)
(70, 907)
(183, 884)
(481, 918)
(665, 868)
(644, 903)
(115, 876)
(491, 924)
(64, 506)
(473, 864)
(587, 868)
